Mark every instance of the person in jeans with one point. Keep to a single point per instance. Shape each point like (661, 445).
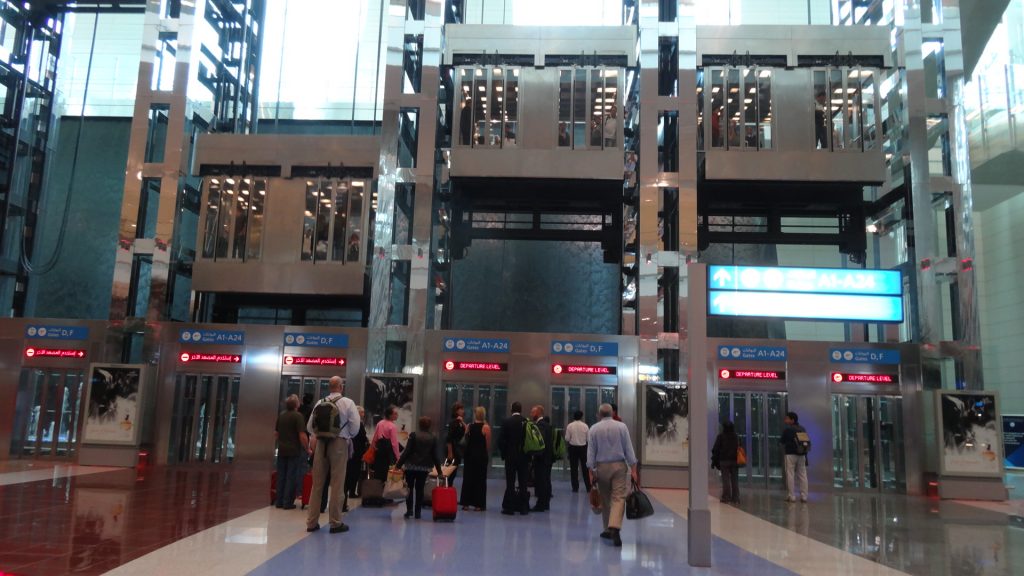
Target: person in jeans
(609, 457)
(418, 458)
(576, 439)
(292, 447)
(796, 463)
(723, 457)
(331, 454)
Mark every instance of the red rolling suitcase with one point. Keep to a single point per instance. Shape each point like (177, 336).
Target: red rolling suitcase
(273, 487)
(444, 503)
(307, 488)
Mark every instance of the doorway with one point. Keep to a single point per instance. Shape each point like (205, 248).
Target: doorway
(204, 418)
(565, 400)
(494, 399)
(867, 442)
(49, 413)
(302, 385)
(758, 419)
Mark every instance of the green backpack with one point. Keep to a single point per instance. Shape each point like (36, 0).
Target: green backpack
(533, 440)
(560, 449)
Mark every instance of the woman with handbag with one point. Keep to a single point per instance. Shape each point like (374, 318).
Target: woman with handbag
(478, 459)
(418, 459)
(725, 456)
(385, 447)
(456, 443)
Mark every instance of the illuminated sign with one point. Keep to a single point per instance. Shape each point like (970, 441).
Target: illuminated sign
(841, 377)
(452, 365)
(48, 332)
(577, 369)
(736, 352)
(311, 340)
(806, 293)
(33, 352)
(730, 374)
(806, 280)
(500, 345)
(194, 336)
(314, 361)
(583, 348)
(208, 357)
(864, 355)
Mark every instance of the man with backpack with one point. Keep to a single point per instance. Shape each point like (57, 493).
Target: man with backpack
(332, 425)
(512, 445)
(796, 444)
(543, 458)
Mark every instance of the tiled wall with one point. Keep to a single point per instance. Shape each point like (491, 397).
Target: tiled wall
(1000, 276)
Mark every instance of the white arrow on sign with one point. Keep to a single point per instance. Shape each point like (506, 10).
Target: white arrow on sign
(722, 277)
(721, 302)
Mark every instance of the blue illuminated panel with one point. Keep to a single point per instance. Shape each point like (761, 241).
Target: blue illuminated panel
(806, 306)
(806, 280)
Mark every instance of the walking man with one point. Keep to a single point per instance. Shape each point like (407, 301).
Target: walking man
(796, 444)
(609, 457)
(333, 424)
(576, 438)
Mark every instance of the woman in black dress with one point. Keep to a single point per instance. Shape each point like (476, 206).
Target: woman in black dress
(477, 461)
(456, 432)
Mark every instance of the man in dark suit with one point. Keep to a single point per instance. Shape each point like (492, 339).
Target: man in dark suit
(543, 461)
(516, 499)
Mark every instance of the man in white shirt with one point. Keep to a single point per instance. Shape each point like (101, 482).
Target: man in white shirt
(610, 457)
(331, 453)
(576, 438)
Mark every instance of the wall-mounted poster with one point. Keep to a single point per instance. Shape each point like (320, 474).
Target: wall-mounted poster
(666, 424)
(1013, 440)
(383, 390)
(969, 434)
(113, 404)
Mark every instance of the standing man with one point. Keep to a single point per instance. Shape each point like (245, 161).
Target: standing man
(609, 456)
(542, 461)
(576, 438)
(513, 431)
(292, 449)
(333, 424)
(796, 456)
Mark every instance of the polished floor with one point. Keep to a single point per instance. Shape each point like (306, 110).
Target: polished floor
(80, 520)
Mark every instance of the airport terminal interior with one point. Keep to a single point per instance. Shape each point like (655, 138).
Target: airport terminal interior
(712, 215)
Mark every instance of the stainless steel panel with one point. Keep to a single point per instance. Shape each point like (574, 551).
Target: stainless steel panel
(539, 40)
(548, 162)
(808, 165)
(792, 41)
(285, 150)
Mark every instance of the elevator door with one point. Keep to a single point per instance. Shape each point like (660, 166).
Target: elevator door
(867, 442)
(494, 399)
(565, 400)
(49, 413)
(302, 385)
(758, 419)
(204, 418)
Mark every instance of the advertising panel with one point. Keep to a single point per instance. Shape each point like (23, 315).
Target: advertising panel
(969, 433)
(667, 424)
(113, 404)
(383, 390)
(1013, 440)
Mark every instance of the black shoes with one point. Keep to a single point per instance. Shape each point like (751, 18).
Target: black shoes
(613, 535)
(288, 507)
(343, 528)
(606, 534)
(312, 528)
(539, 509)
(508, 512)
(407, 515)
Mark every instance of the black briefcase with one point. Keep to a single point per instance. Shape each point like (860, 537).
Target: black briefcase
(638, 505)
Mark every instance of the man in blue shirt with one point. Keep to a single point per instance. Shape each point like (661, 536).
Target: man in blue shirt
(609, 456)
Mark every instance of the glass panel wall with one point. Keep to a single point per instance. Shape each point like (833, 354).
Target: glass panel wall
(234, 218)
(332, 228)
(740, 104)
(489, 111)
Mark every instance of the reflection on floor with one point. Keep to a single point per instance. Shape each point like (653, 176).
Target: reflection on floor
(21, 471)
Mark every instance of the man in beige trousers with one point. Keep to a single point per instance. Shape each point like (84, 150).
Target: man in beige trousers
(331, 443)
(609, 457)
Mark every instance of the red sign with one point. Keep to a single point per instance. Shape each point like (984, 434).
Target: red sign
(33, 352)
(727, 373)
(580, 369)
(840, 377)
(313, 361)
(451, 365)
(208, 357)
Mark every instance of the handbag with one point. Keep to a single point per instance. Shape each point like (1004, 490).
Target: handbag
(447, 468)
(395, 487)
(370, 455)
(638, 505)
(741, 456)
(595, 500)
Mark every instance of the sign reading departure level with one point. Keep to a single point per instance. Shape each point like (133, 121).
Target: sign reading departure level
(841, 377)
(33, 352)
(578, 369)
(313, 361)
(728, 373)
(451, 365)
(208, 357)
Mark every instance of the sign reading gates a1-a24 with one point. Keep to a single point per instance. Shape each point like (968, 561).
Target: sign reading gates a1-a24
(493, 345)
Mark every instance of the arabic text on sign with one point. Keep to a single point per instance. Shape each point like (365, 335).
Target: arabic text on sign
(53, 353)
(313, 361)
(208, 357)
(806, 280)
(37, 331)
(806, 306)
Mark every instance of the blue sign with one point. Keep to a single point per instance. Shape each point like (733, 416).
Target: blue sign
(806, 280)
(499, 345)
(864, 356)
(806, 306)
(316, 340)
(1013, 440)
(196, 336)
(581, 348)
(45, 332)
(768, 353)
